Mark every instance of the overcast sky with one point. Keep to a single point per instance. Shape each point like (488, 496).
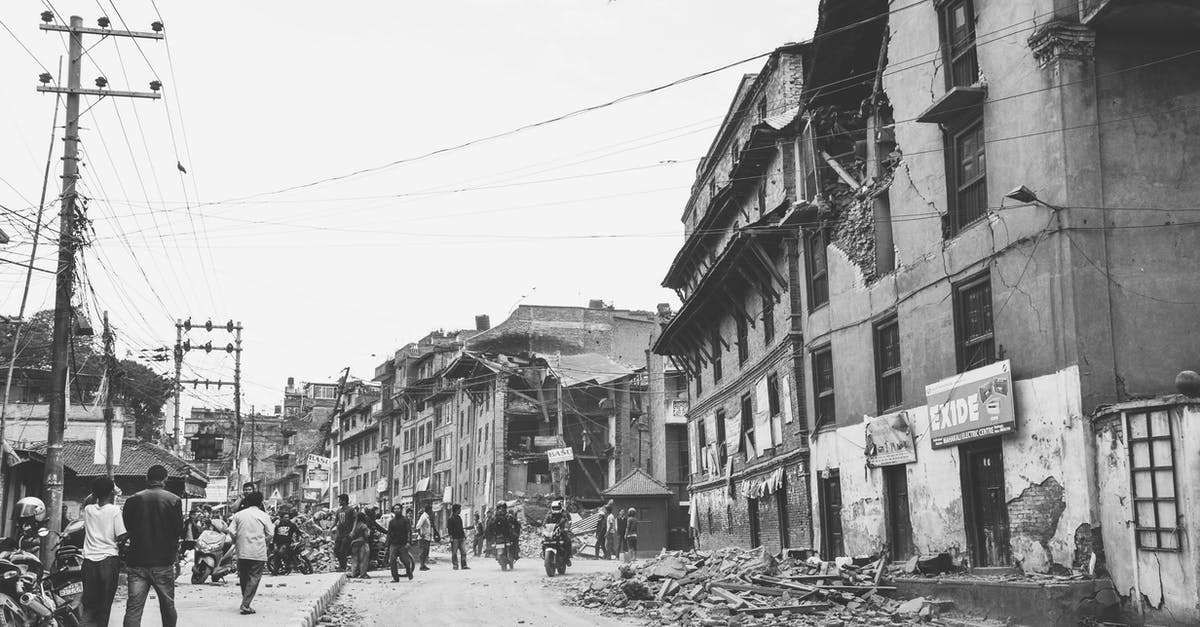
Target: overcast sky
(264, 96)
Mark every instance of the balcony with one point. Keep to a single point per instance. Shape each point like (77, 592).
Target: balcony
(1175, 15)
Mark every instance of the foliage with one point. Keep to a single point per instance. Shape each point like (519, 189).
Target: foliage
(34, 348)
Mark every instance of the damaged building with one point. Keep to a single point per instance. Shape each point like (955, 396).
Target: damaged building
(737, 334)
(999, 280)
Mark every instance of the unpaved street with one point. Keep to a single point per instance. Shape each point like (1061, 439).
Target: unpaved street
(480, 596)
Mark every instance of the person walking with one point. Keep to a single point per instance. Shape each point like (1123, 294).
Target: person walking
(477, 541)
(621, 522)
(343, 524)
(458, 537)
(250, 529)
(399, 536)
(610, 529)
(360, 547)
(103, 530)
(426, 533)
(601, 533)
(631, 535)
(154, 521)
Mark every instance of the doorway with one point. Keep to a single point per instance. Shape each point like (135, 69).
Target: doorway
(829, 493)
(985, 507)
(781, 506)
(755, 532)
(895, 481)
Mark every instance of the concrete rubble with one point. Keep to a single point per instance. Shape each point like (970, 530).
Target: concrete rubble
(733, 586)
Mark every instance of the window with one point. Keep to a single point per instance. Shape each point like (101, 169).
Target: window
(712, 188)
(817, 265)
(773, 394)
(734, 149)
(822, 373)
(702, 443)
(720, 426)
(968, 174)
(888, 387)
(1152, 470)
(743, 340)
(768, 319)
(715, 345)
(958, 43)
(974, 337)
(699, 378)
(748, 423)
(806, 162)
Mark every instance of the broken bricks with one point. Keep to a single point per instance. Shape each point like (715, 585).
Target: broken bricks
(751, 587)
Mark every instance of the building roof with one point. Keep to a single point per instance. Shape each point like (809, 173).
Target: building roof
(638, 483)
(136, 458)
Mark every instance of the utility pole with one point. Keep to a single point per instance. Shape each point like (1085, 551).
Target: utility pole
(68, 241)
(182, 347)
(110, 372)
(253, 441)
(175, 441)
(562, 473)
(237, 397)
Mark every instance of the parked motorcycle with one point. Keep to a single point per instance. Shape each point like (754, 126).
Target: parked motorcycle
(555, 545)
(31, 598)
(216, 555)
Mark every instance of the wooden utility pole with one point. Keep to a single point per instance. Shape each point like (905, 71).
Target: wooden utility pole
(562, 473)
(237, 397)
(68, 241)
(110, 374)
(175, 441)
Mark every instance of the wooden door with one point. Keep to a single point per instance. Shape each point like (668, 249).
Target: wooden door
(986, 511)
(830, 494)
(895, 479)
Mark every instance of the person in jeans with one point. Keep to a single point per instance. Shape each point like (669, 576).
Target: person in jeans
(426, 533)
(154, 520)
(343, 524)
(477, 540)
(250, 529)
(399, 536)
(458, 537)
(103, 530)
(360, 547)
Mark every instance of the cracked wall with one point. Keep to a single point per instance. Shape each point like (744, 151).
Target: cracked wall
(1046, 480)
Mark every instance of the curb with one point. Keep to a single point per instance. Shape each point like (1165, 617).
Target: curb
(309, 617)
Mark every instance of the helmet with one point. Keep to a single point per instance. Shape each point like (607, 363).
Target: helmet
(556, 507)
(30, 507)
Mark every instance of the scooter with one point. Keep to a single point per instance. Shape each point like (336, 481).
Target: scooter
(554, 550)
(215, 554)
(286, 557)
(28, 597)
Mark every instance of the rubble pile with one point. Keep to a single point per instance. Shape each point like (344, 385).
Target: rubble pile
(750, 587)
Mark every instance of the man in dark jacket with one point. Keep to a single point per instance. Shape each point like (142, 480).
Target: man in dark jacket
(343, 524)
(458, 537)
(154, 520)
(399, 535)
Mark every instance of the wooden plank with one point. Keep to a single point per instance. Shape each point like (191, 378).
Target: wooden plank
(746, 587)
(737, 305)
(802, 608)
(733, 599)
(837, 167)
(765, 260)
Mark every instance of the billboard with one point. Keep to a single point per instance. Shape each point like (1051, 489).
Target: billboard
(317, 472)
(971, 406)
(889, 440)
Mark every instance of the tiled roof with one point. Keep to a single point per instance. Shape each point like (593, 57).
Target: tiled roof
(136, 458)
(638, 483)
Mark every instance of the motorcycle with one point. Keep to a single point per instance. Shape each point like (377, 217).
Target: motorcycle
(555, 545)
(504, 554)
(215, 554)
(287, 556)
(31, 597)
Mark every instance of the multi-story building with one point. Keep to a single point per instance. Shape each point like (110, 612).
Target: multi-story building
(28, 409)
(737, 334)
(305, 415)
(356, 437)
(1000, 263)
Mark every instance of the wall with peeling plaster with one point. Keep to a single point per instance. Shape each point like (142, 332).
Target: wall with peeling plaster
(1168, 580)
(1044, 458)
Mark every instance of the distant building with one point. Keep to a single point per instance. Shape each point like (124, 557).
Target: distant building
(29, 408)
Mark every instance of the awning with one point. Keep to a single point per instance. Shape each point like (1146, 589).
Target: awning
(422, 485)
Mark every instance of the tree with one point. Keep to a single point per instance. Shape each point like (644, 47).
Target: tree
(34, 349)
(143, 393)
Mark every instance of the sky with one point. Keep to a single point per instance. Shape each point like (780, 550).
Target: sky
(265, 102)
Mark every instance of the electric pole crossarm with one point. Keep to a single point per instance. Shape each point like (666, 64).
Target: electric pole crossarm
(108, 32)
(84, 91)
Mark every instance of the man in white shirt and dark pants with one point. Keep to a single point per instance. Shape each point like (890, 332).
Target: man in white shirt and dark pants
(250, 529)
(103, 530)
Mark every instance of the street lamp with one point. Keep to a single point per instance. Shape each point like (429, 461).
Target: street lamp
(1025, 195)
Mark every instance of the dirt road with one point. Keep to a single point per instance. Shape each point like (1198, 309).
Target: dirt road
(480, 596)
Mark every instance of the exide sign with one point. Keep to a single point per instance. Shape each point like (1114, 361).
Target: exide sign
(970, 406)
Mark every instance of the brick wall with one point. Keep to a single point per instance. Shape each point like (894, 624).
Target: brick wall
(725, 520)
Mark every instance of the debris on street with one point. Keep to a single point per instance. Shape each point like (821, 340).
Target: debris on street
(752, 587)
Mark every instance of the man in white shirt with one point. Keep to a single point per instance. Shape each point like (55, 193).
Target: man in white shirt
(426, 532)
(250, 529)
(103, 531)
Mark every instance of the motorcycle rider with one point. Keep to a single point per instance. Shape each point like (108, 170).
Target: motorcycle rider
(505, 528)
(287, 535)
(558, 518)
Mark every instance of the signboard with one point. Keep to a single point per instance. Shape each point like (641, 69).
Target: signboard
(447, 494)
(971, 406)
(679, 409)
(312, 494)
(316, 473)
(889, 440)
(382, 486)
(561, 455)
(546, 441)
(317, 460)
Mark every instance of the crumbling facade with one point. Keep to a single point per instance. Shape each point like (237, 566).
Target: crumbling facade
(737, 334)
(1000, 247)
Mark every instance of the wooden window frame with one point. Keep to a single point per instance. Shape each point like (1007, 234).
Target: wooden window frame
(822, 393)
(884, 371)
(768, 318)
(956, 54)
(964, 345)
(816, 243)
(747, 419)
(743, 339)
(715, 345)
(959, 191)
(774, 403)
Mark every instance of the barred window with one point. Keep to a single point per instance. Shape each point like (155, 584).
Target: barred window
(1152, 471)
